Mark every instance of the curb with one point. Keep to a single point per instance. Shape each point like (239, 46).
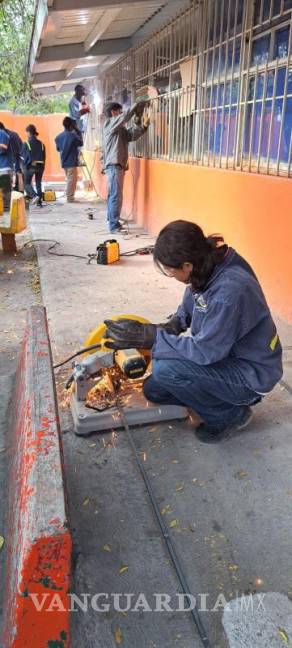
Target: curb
(36, 610)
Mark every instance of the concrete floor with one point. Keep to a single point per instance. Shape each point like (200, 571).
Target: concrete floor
(228, 506)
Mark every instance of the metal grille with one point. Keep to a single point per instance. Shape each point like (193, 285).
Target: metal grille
(220, 76)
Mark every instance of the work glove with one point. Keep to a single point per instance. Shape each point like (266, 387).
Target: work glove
(174, 326)
(145, 121)
(129, 334)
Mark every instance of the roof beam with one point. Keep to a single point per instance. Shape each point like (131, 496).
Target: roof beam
(100, 27)
(77, 50)
(61, 75)
(71, 5)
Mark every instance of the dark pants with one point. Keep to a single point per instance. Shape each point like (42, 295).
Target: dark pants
(216, 392)
(6, 188)
(37, 173)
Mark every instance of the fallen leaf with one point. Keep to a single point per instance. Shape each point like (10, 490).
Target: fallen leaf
(191, 528)
(179, 488)
(86, 501)
(173, 523)
(123, 569)
(165, 509)
(92, 445)
(118, 636)
(233, 568)
(174, 461)
(283, 635)
(240, 474)
(195, 480)
(1, 542)
(106, 547)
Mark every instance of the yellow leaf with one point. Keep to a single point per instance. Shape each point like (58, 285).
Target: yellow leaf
(92, 445)
(233, 568)
(1, 542)
(123, 569)
(179, 488)
(165, 509)
(173, 523)
(283, 635)
(195, 480)
(118, 636)
(174, 461)
(86, 501)
(106, 547)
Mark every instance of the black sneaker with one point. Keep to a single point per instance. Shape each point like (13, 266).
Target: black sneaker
(216, 433)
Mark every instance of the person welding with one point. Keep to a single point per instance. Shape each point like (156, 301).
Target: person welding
(33, 156)
(116, 138)
(220, 353)
(68, 143)
(79, 108)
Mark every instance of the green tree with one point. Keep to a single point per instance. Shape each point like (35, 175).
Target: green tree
(16, 92)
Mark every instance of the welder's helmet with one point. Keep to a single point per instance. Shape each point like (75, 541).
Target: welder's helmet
(112, 105)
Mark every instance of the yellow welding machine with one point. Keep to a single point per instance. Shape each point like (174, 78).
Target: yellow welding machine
(108, 252)
(49, 195)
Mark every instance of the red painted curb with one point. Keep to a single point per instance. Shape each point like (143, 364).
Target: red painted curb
(36, 612)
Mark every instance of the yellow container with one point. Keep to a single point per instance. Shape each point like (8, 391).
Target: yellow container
(17, 216)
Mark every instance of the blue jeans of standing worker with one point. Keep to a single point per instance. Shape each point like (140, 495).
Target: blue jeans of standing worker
(36, 172)
(115, 176)
(216, 392)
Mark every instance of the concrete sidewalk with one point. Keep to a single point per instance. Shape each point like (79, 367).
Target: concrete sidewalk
(228, 506)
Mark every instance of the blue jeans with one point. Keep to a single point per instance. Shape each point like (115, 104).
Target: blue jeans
(115, 176)
(216, 392)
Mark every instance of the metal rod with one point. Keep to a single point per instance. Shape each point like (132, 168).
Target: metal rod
(272, 115)
(231, 83)
(262, 116)
(252, 118)
(284, 97)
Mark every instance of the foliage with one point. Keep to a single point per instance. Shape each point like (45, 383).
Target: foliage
(16, 93)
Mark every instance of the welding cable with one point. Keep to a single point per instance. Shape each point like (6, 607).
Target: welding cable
(165, 532)
(89, 348)
(51, 247)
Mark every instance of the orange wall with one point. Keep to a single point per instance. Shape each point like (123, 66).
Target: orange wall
(253, 212)
(48, 127)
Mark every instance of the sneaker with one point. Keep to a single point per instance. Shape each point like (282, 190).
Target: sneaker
(117, 228)
(216, 433)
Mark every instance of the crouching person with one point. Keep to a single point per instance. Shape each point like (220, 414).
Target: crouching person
(231, 357)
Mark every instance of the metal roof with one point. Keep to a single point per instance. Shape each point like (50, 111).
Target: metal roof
(75, 40)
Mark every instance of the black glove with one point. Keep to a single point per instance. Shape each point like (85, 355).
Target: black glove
(174, 326)
(129, 334)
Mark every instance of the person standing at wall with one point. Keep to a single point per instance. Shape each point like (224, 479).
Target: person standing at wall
(116, 138)
(33, 156)
(68, 143)
(79, 109)
(6, 166)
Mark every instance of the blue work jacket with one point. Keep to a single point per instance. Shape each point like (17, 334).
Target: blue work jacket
(68, 143)
(229, 319)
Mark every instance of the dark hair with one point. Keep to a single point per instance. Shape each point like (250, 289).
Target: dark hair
(2, 127)
(79, 88)
(182, 241)
(68, 122)
(31, 129)
(112, 105)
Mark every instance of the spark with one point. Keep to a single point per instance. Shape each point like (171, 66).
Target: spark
(259, 582)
